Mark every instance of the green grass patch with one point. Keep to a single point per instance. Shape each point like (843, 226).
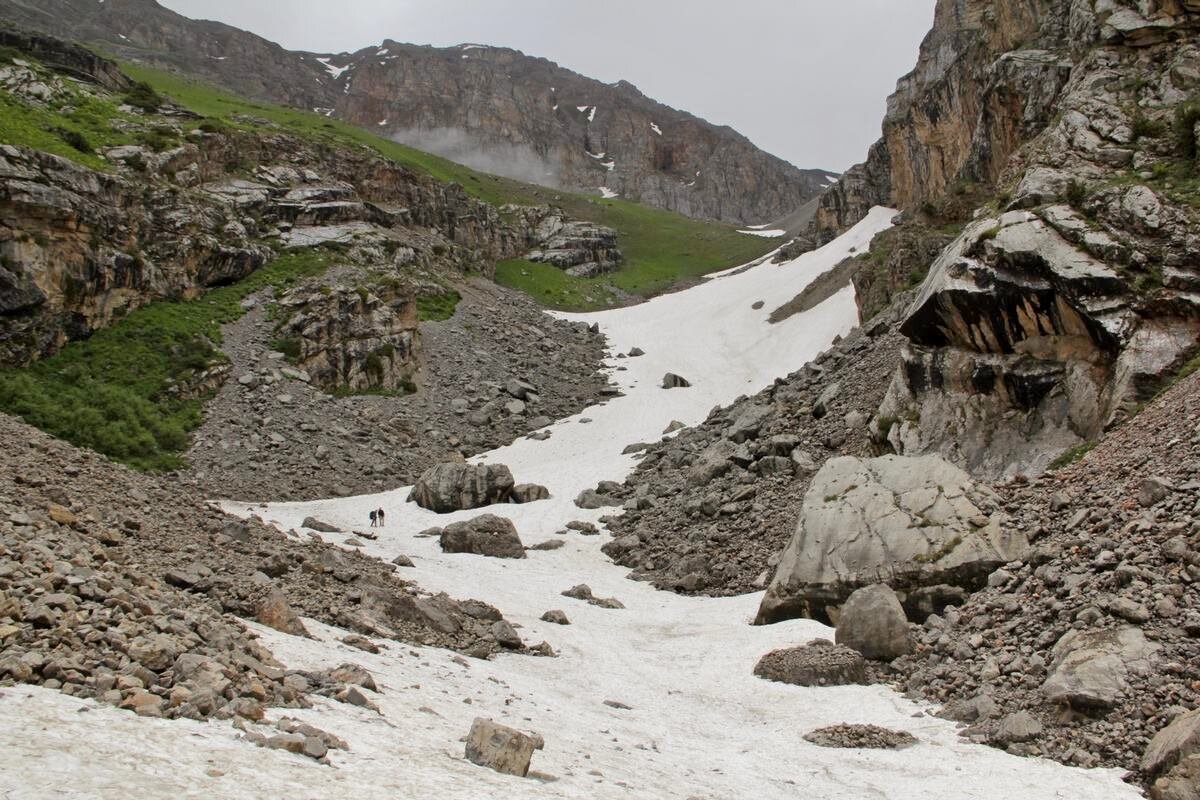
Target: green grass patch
(75, 129)
(437, 307)
(1071, 456)
(110, 393)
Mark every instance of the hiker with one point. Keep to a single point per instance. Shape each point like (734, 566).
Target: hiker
(379, 516)
(374, 514)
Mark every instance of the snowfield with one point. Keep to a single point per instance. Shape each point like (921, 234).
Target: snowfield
(700, 724)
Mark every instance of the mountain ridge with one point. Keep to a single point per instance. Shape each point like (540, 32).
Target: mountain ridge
(498, 114)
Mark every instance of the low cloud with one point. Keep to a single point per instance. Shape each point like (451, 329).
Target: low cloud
(499, 158)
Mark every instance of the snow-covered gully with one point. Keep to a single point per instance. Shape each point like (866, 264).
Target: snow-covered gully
(698, 723)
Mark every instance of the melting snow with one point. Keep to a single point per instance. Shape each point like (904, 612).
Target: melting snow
(592, 114)
(335, 72)
(771, 234)
(656, 129)
(383, 122)
(700, 724)
(595, 155)
(609, 165)
(607, 194)
(472, 47)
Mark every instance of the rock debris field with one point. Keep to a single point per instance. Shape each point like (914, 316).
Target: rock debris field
(655, 699)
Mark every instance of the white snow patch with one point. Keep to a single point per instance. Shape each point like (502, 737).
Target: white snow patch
(592, 114)
(758, 227)
(771, 234)
(607, 194)
(465, 56)
(609, 165)
(335, 72)
(383, 51)
(656, 129)
(700, 725)
(123, 36)
(472, 47)
(582, 109)
(596, 156)
(382, 123)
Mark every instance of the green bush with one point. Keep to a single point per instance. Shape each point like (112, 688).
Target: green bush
(1072, 455)
(143, 96)
(1187, 116)
(437, 307)
(1076, 194)
(1146, 128)
(75, 139)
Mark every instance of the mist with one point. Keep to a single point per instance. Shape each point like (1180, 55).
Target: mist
(507, 159)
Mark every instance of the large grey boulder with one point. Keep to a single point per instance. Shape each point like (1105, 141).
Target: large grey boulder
(873, 622)
(487, 535)
(453, 486)
(1090, 670)
(920, 525)
(1173, 744)
(499, 747)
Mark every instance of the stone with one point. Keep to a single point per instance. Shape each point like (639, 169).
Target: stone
(312, 523)
(872, 621)
(529, 493)
(1020, 726)
(819, 663)
(556, 617)
(917, 524)
(1172, 744)
(454, 486)
(1152, 491)
(487, 535)
(1089, 670)
(275, 612)
(861, 737)
(673, 381)
(505, 635)
(498, 747)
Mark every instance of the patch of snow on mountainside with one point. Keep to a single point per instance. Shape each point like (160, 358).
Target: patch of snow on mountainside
(766, 234)
(335, 72)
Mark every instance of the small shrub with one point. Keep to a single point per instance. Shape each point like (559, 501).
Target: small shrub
(1076, 194)
(212, 126)
(75, 140)
(1146, 128)
(989, 234)
(1186, 118)
(143, 96)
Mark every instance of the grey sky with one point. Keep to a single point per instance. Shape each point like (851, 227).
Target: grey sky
(804, 79)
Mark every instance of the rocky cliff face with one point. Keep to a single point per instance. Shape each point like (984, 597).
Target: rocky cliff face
(1062, 128)
(79, 247)
(492, 108)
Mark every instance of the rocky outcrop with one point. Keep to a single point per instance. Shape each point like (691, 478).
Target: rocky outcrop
(1089, 670)
(493, 108)
(1033, 334)
(455, 486)
(353, 339)
(581, 249)
(1061, 111)
(920, 525)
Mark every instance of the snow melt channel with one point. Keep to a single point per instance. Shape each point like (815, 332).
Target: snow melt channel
(699, 723)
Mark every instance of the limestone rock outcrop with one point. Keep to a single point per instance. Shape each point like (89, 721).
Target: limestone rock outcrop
(920, 525)
(354, 338)
(487, 535)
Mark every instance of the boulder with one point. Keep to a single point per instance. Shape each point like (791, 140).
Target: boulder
(673, 381)
(529, 493)
(274, 612)
(1173, 744)
(873, 622)
(487, 535)
(556, 617)
(1089, 670)
(916, 524)
(314, 524)
(1181, 783)
(499, 747)
(453, 486)
(818, 663)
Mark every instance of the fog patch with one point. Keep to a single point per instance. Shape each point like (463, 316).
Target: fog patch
(507, 159)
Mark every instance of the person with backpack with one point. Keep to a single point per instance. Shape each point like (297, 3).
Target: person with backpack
(374, 515)
(379, 517)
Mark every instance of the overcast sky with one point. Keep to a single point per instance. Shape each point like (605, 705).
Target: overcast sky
(804, 79)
